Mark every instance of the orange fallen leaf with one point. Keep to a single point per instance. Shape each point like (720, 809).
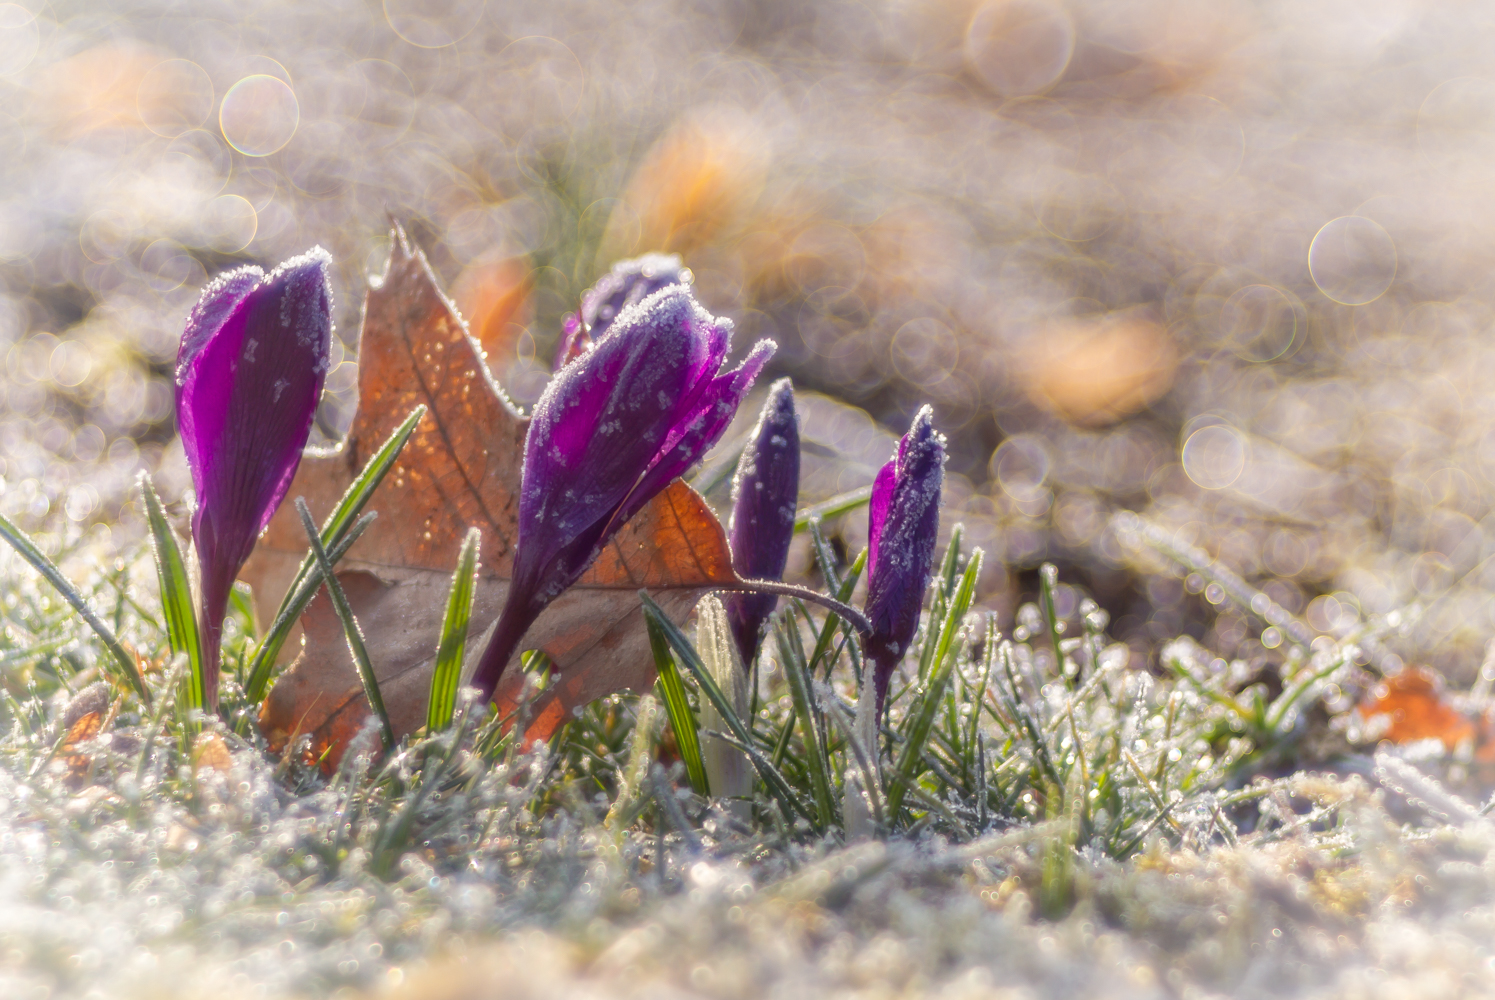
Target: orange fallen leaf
(492, 293)
(460, 468)
(1094, 372)
(211, 752)
(1416, 707)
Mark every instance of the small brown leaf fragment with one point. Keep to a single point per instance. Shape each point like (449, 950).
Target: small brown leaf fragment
(211, 752)
(460, 469)
(1415, 704)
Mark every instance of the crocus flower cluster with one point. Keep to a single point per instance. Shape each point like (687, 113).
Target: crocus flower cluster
(249, 374)
(902, 523)
(628, 283)
(765, 493)
(610, 431)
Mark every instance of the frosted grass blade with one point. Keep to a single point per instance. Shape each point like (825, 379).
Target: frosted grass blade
(176, 594)
(447, 675)
(350, 625)
(338, 524)
(677, 707)
(22, 543)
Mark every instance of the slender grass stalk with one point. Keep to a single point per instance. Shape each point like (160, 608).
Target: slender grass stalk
(176, 594)
(23, 544)
(931, 692)
(351, 630)
(339, 523)
(841, 503)
(797, 672)
(677, 707)
(772, 779)
(446, 676)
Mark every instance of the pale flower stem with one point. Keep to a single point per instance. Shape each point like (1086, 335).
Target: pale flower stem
(846, 611)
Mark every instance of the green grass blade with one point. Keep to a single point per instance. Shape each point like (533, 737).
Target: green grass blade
(825, 556)
(677, 707)
(939, 603)
(350, 625)
(176, 594)
(796, 671)
(338, 524)
(23, 544)
(841, 503)
(774, 781)
(833, 621)
(926, 705)
(447, 675)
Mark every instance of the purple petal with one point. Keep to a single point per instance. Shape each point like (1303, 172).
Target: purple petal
(765, 493)
(219, 298)
(629, 282)
(877, 510)
(246, 397)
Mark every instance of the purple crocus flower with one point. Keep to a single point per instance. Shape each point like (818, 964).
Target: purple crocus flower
(764, 495)
(249, 374)
(902, 522)
(629, 282)
(610, 431)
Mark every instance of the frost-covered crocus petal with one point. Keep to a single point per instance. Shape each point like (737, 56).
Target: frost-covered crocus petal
(250, 370)
(895, 588)
(611, 430)
(629, 282)
(713, 413)
(603, 420)
(877, 510)
(246, 397)
(765, 493)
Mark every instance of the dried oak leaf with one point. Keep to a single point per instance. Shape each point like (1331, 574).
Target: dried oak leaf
(460, 468)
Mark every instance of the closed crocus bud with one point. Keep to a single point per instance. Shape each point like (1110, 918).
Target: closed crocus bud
(764, 496)
(628, 283)
(903, 519)
(610, 431)
(249, 374)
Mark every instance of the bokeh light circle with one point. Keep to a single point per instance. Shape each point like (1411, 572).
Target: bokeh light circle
(20, 38)
(227, 224)
(174, 97)
(1215, 456)
(433, 24)
(1456, 123)
(1021, 466)
(1019, 46)
(259, 115)
(1352, 260)
(1259, 323)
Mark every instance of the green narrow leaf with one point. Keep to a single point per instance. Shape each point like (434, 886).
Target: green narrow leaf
(911, 760)
(834, 621)
(343, 519)
(23, 544)
(939, 603)
(841, 503)
(1048, 582)
(350, 625)
(677, 707)
(775, 782)
(825, 556)
(447, 675)
(796, 671)
(176, 594)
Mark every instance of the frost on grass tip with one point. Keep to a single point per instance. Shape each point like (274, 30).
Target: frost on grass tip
(610, 431)
(250, 369)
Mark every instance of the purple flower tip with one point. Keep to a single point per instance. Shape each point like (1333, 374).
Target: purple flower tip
(903, 521)
(250, 369)
(610, 431)
(765, 494)
(628, 283)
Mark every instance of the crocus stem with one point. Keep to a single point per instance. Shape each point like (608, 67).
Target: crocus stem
(215, 597)
(846, 611)
(515, 620)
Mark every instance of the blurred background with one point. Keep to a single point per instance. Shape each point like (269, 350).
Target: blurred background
(1226, 264)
